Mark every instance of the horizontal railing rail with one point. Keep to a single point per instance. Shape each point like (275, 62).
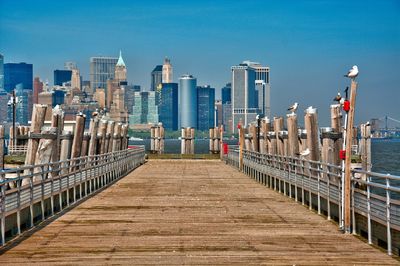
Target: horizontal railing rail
(31, 194)
(375, 197)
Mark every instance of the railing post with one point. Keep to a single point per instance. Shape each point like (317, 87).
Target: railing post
(369, 210)
(3, 208)
(389, 234)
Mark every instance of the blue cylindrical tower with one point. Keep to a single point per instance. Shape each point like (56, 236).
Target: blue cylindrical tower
(188, 101)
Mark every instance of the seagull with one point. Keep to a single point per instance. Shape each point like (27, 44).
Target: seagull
(293, 108)
(338, 97)
(304, 153)
(353, 72)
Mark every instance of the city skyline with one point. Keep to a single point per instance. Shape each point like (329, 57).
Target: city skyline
(309, 45)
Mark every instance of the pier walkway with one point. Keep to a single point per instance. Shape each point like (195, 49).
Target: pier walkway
(190, 212)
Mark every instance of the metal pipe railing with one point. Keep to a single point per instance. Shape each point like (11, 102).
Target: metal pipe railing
(47, 181)
(374, 196)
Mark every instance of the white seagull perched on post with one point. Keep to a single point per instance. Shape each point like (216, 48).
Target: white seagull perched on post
(353, 72)
(304, 153)
(293, 108)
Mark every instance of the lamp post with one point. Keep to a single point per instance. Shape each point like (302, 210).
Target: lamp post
(13, 103)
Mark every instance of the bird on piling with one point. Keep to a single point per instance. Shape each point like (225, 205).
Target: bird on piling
(353, 72)
(293, 108)
(338, 97)
(304, 153)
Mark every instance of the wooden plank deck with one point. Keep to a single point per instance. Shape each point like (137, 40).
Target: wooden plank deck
(191, 212)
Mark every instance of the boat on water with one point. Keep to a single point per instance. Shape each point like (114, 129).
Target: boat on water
(135, 139)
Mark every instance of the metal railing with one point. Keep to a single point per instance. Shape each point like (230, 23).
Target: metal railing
(17, 149)
(31, 194)
(375, 198)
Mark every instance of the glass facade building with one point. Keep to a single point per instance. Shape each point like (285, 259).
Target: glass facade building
(144, 109)
(205, 107)
(250, 92)
(168, 105)
(156, 77)
(22, 111)
(187, 101)
(62, 76)
(101, 69)
(226, 93)
(18, 73)
(58, 97)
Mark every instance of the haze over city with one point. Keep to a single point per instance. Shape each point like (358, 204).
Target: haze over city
(308, 45)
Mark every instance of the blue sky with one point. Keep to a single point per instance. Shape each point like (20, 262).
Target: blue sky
(309, 45)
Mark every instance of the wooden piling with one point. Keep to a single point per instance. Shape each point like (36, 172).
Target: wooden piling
(102, 136)
(365, 146)
(221, 142)
(85, 144)
(152, 139)
(116, 138)
(311, 124)
(93, 127)
(45, 151)
(302, 133)
(78, 136)
(38, 116)
(336, 125)
(272, 145)
(1, 147)
(347, 170)
(293, 138)
(278, 126)
(162, 137)
(241, 146)
(65, 151)
(216, 139)
(254, 138)
(156, 139)
(109, 136)
(183, 140)
(211, 143)
(192, 132)
(57, 121)
(328, 147)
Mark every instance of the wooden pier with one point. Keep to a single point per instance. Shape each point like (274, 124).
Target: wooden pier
(190, 212)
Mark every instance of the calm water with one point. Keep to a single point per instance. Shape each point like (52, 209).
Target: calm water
(385, 154)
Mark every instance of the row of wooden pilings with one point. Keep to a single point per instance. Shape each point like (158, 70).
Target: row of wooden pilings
(54, 144)
(157, 139)
(323, 144)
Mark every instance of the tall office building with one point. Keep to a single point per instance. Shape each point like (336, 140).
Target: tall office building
(168, 106)
(75, 79)
(70, 65)
(22, 111)
(101, 69)
(226, 93)
(120, 71)
(218, 109)
(250, 88)
(4, 98)
(156, 78)
(205, 107)
(1, 73)
(144, 109)
(187, 101)
(18, 73)
(37, 88)
(167, 74)
(62, 76)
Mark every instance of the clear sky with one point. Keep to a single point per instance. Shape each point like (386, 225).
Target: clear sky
(309, 45)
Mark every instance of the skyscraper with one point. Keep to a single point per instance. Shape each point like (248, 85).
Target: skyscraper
(187, 101)
(120, 71)
(167, 74)
(16, 73)
(62, 76)
(22, 111)
(168, 105)
(226, 93)
(4, 97)
(219, 116)
(37, 88)
(75, 79)
(144, 109)
(250, 82)
(156, 77)
(1, 73)
(101, 69)
(205, 107)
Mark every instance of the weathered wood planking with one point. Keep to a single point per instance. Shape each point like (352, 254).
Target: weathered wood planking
(191, 212)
